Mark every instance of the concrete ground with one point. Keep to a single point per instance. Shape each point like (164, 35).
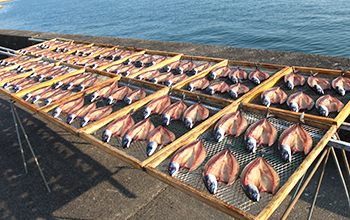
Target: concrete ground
(87, 183)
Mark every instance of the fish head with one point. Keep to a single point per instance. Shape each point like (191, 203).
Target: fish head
(69, 85)
(84, 121)
(146, 112)
(151, 147)
(18, 88)
(166, 119)
(41, 77)
(128, 100)
(323, 110)
(35, 99)
(179, 70)
(155, 80)
(194, 71)
(109, 100)
(319, 89)
(58, 84)
(290, 84)
(27, 96)
(219, 134)
(126, 141)
(168, 83)
(139, 63)
(94, 66)
(34, 74)
(233, 93)
(116, 71)
(211, 183)
(340, 90)
(252, 192)
(106, 135)
(234, 79)
(188, 123)
(152, 63)
(127, 62)
(286, 153)
(48, 101)
(56, 112)
(140, 77)
(251, 144)
(255, 80)
(210, 90)
(212, 75)
(167, 68)
(126, 73)
(173, 168)
(81, 87)
(190, 87)
(266, 101)
(93, 96)
(70, 118)
(294, 107)
(6, 85)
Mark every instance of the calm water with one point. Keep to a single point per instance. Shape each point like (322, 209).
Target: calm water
(305, 26)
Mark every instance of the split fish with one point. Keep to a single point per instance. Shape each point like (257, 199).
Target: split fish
(185, 67)
(173, 112)
(77, 81)
(193, 114)
(158, 60)
(257, 76)
(162, 77)
(44, 95)
(258, 176)
(148, 75)
(327, 104)
(294, 139)
(172, 65)
(221, 168)
(113, 68)
(261, 132)
(190, 157)
(293, 79)
(118, 127)
(134, 96)
(237, 75)
(159, 136)
(58, 96)
(318, 84)
(274, 95)
(14, 82)
(98, 113)
(175, 79)
(132, 70)
(219, 72)
(233, 124)
(341, 84)
(104, 91)
(88, 83)
(67, 80)
(81, 112)
(157, 106)
(118, 94)
(299, 101)
(217, 87)
(36, 92)
(200, 83)
(134, 59)
(69, 106)
(237, 89)
(200, 68)
(138, 132)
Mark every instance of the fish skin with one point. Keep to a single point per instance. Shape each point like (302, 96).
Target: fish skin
(132, 70)
(96, 114)
(217, 87)
(259, 176)
(81, 112)
(57, 96)
(162, 77)
(263, 132)
(200, 83)
(134, 96)
(157, 106)
(318, 84)
(296, 139)
(237, 75)
(118, 127)
(171, 66)
(158, 60)
(185, 67)
(36, 92)
(105, 91)
(133, 59)
(233, 124)
(224, 167)
(299, 101)
(113, 68)
(77, 81)
(139, 131)
(148, 75)
(193, 114)
(274, 95)
(159, 137)
(14, 82)
(341, 84)
(328, 104)
(237, 89)
(69, 106)
(67, 80)
(293, 79)
(118, 94)
(88, 83)
(200, 68)
(257, 76)
(45, 94)
(144, 61)
(219, 72)
(175, 79)
(190, 157)
(173, 112)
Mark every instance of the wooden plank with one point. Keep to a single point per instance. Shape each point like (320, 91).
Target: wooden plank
(343, 115)
(295, 177)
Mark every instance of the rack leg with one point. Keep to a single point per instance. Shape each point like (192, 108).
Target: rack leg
(30, 147)
(292, 204)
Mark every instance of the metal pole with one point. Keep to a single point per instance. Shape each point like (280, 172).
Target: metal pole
(31, 149)
(36, 40)
(19, 138)
(8, 49)
(7, 54)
